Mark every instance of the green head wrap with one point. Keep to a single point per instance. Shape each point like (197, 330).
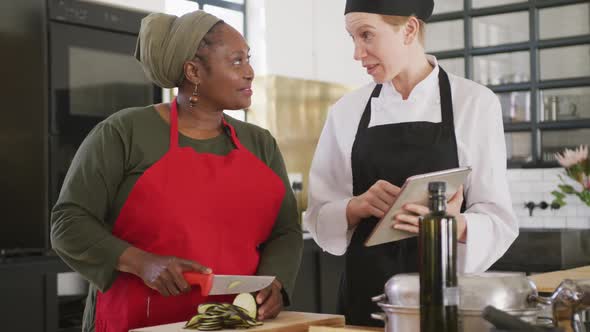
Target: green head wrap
(166, 42)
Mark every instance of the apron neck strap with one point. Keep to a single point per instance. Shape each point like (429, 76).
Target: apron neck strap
(366, 117)
(173, 124)
(229, 129)
(446, 99)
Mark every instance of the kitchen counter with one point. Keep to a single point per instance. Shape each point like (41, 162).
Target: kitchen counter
(548, 282)
(286, 321)
(346, 328)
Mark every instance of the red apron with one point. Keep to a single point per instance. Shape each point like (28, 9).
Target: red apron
(215, 210)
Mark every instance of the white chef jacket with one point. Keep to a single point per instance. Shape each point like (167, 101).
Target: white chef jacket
(491, 223)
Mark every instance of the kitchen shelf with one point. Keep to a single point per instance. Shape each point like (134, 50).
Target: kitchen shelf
(516, 127)
(512, 87)
(565, 124)
(523, 78)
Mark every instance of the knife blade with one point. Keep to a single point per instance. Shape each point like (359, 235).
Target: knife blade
(217, 284)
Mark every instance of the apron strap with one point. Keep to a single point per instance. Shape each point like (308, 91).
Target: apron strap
(446, 100)
(174, 124)
(366, 117)
(446, 104)
(232, 133)
(229, 129)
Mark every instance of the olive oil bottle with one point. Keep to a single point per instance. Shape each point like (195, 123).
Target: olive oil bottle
(437, 247)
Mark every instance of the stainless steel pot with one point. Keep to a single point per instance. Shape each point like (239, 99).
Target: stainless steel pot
(510, 292)
(408, 319)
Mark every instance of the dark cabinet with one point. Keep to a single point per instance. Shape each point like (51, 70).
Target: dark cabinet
(29, 299)
(316, 288)
(561, 249)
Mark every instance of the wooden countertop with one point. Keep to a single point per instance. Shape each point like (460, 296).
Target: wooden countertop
(287, 321)
(548, 282)
(347, 328)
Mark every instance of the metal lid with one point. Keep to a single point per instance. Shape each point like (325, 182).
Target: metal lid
(505, 291)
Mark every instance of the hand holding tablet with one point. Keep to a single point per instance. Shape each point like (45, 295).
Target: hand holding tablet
(414, 191)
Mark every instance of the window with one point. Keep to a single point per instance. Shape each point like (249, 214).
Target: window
(454, 66)
(500, 29)
(535, 55)
(448, 6)
(564, 21)
(442, 36)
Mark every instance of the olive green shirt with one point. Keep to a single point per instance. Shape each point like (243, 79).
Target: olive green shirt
(104, 170)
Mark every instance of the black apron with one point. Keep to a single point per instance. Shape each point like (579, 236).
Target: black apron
(391, 152)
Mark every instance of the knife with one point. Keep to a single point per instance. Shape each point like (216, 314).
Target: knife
(217, 284)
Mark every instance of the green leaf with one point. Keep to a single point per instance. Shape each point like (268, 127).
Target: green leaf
(576, 169)
(557, 194)
(559, 202)
(566, 188)
(584, 196)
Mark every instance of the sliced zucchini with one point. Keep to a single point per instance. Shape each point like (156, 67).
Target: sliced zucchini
(248, 303)
(218, 316)
(203, 307)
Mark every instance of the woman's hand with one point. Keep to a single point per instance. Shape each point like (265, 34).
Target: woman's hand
(270, 301)
(162, 273)
(374, 202)
(409, 221)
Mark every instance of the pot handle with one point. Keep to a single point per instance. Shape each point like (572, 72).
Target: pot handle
(379, 298)
(379, 316)
(535, 298)
(504, 321)
(539, 299)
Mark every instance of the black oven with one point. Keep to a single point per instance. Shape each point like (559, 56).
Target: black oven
(93, 74)
(67, 65)
(93, 71)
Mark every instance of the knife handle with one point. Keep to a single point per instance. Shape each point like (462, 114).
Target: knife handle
(205, 281)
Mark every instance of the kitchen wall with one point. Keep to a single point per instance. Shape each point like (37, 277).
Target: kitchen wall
(303, 39)
(535, 185)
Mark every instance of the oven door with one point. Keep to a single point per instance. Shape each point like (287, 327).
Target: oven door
(93, 74)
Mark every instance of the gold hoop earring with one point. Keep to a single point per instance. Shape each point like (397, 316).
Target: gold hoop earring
(194, 98)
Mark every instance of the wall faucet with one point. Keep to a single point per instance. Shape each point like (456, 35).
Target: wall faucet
(542, 205)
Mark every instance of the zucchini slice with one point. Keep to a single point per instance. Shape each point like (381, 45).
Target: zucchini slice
(248, 303)
(217, 316)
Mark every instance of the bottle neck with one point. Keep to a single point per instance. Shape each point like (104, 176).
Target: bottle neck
(438, 203)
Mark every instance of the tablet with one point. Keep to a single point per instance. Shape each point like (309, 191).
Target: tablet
(414, 190)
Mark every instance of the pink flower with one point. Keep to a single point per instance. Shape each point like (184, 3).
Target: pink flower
(569, 157)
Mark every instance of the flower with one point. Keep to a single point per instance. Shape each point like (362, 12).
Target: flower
(571, 157)
(577, 168)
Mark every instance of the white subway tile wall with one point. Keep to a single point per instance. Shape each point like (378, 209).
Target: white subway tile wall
(536, 185)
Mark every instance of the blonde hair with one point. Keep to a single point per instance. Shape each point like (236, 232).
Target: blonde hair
(398, 21)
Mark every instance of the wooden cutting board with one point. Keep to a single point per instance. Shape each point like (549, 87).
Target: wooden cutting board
(548, 282)
(347, 328)
(287, 321)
